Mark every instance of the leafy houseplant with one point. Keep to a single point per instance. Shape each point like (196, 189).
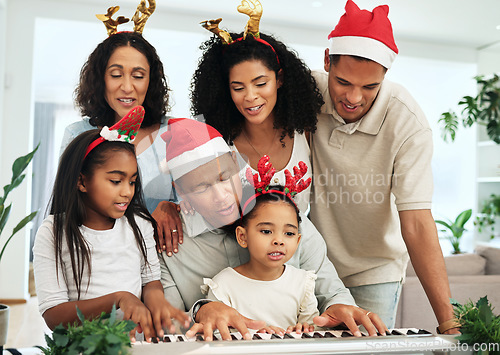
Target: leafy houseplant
(20, 164)
(456, 229)
(482, 109)
(489, 212)
(478, 324)
(100, 336)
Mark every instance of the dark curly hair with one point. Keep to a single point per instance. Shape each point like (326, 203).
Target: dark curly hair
(299, 99)
(90, 92)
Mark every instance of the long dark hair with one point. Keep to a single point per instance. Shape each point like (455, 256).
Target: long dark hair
(90, 92)
(299, 100)
(68, 208)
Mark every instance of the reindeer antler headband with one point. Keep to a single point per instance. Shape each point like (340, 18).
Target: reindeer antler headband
(261, 181)
(140, 17)
(252, 28)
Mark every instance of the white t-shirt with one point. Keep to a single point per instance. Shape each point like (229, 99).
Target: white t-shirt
(117, 263)
(282, 302)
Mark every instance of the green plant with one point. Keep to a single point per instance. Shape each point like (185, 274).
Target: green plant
(20, 164)
(100, 336)
(478, 324)
(490, 211)
(483, 109)
(456, 229)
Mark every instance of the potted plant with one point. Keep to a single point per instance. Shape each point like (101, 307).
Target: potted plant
(478, 325)
(488, 215)
(20, 164)
(456, 229)
(100, 336)
(483, 109)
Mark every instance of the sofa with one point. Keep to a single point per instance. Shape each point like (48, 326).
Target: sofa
(471, 276)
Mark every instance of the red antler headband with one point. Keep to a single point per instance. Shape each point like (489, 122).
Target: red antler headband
(124, 130)
(293, 184)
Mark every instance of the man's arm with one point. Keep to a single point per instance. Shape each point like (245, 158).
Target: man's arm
(420, 235)
(311, 255)
(334, 299)
(170, 290)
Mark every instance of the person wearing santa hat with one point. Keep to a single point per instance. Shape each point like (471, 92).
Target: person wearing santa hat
(206, 174)
(372, 183)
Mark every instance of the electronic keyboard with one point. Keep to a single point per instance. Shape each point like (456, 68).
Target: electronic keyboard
(399, 341)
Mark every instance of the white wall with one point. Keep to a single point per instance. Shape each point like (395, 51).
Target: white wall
(3, 30)
(17, 109)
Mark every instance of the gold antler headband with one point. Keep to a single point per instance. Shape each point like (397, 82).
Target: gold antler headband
(213, 26)
(111, 24)
(252, 28)
(254, 15)
(139, 20)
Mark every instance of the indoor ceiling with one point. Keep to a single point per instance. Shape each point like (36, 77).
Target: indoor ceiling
(468, 23)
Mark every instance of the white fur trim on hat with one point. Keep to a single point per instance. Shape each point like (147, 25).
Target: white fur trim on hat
(192, 159)
(363, 47)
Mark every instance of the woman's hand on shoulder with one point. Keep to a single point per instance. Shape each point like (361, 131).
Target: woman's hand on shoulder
(169, 225)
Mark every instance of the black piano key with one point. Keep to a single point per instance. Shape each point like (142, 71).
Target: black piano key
(411, 332)
(346, 335)
(288, 336)
(154, 340)
(396, 332)
(317, 335)
(256, 337)
(180, 338)
(233, 337)
(423, 331)
(305, 336)
(275, 336)
(199, 338)
(329, 335)
(166, 339)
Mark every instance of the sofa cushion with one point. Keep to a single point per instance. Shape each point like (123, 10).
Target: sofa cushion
(415, 310)
(492, 256)
(460, 264)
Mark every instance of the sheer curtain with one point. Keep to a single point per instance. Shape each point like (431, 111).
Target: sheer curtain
(49, 123)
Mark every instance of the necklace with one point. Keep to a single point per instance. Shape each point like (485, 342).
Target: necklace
(251, 145)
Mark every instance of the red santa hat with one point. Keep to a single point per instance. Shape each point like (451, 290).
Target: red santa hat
(190, 144)
(364, 34)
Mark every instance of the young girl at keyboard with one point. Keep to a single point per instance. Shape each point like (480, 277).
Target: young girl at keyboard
(97, 248)
(265, 288)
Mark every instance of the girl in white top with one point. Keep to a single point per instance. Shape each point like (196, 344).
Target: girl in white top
(265, 288)
(97, 246)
